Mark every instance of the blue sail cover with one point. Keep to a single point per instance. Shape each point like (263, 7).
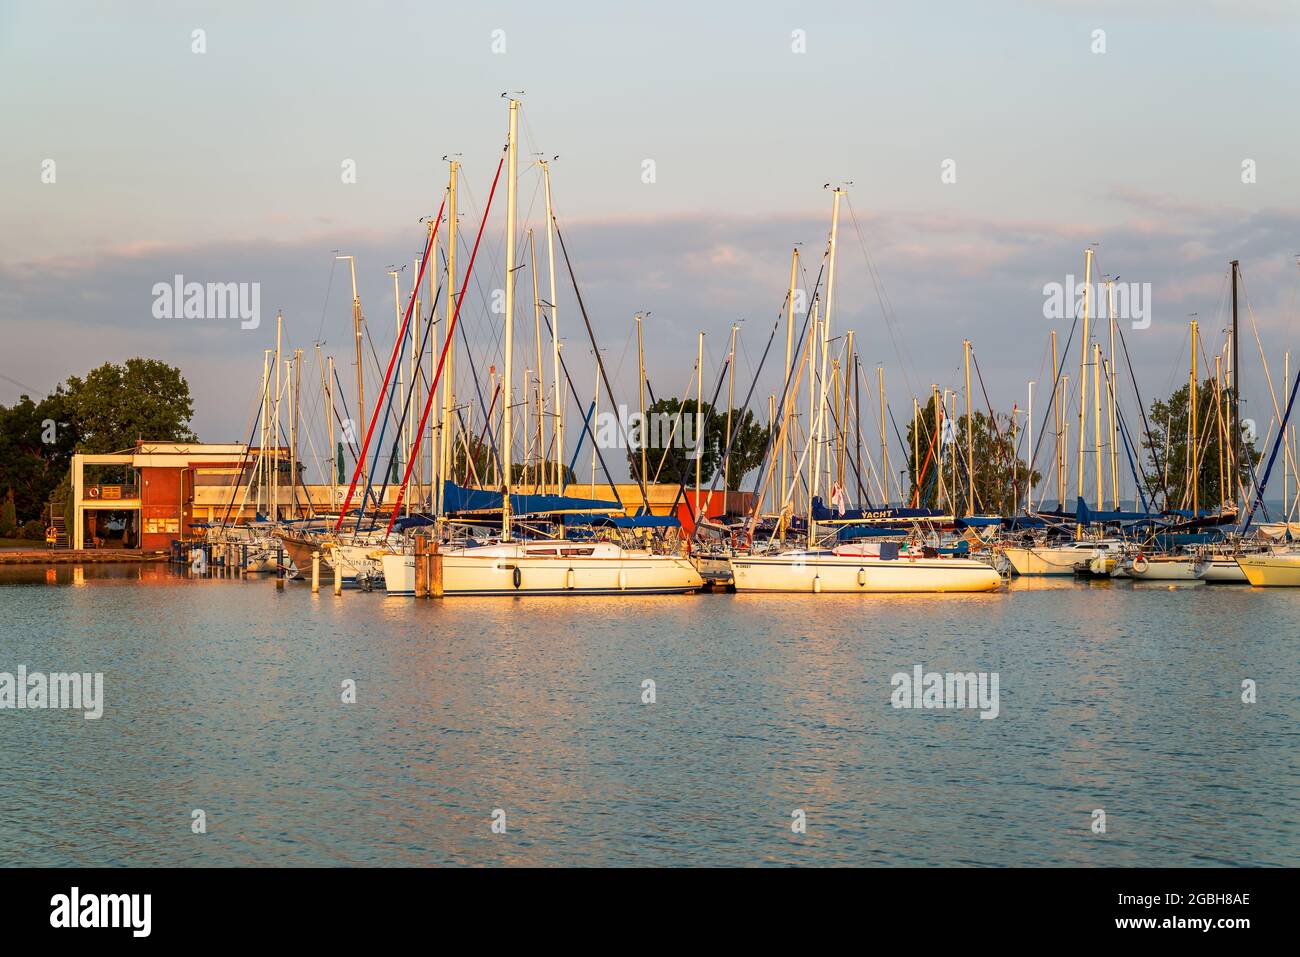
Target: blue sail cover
(1087, 516)
(457, 498)
(821, 513)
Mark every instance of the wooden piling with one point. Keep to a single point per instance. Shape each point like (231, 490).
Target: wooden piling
(421, 568)
(315, 572)
(435, 576)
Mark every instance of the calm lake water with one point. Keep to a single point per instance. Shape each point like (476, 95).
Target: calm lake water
(225, 695)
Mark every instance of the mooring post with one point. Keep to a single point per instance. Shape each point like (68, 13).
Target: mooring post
(435, 559)
(279, 568)
(315, 572)
(421, 567)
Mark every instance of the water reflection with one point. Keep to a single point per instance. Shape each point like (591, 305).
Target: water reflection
(226, 694)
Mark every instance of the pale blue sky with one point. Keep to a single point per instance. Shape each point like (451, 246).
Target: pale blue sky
(228, 162)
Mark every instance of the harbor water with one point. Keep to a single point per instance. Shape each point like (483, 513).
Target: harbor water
(226, 696)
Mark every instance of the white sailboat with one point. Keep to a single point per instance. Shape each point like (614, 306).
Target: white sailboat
(832, 571)
(538, 567)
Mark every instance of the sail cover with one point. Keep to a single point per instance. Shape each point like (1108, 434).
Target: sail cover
(458, 499)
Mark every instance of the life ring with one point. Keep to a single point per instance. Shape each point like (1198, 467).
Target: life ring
(93, 492)
(1140, 565)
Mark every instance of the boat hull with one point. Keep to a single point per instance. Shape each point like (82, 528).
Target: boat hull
(1225, 571)
(839, 574)
(636, 574)
(1175, 570)
(1271, 571)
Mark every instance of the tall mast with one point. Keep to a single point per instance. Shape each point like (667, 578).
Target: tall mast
(446, 449)
(356, 327)
(397, 315)
(789, 348)
(558, 428)
(970, 440)
(293, 451)
(1112, 388)
(275, 427)
(916, 452)
(699, 420)
(731, 391)
(640, 396)
(1238, 450)
(826, 326)
(1029, 423)
(884, 446)
(507, 396)
(1096, 415)
(1083, 369)
(540, 478)
(1056, 410)
(1193, 444)
(329, 417)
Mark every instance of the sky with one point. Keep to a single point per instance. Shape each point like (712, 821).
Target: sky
(983, 148)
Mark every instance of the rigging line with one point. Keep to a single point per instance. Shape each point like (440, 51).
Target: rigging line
(401, 422)
(399, 345)
(886, 309)
(600, 363)
(1146, 424)
(451, 329)
(257, 417)
(324, 310)
(739, 423)
(1056, 385)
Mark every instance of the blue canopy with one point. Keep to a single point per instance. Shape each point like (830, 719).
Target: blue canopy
(457, 498)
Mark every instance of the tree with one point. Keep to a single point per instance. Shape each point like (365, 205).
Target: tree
(1001, 477)
(115, 405)
(37, 440)
(670, 438)
(1167, 448)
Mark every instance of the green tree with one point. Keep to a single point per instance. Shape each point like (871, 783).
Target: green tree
(36, 444)
(1168, 449)
(668, 430)
(115, 405)
(1002, 479)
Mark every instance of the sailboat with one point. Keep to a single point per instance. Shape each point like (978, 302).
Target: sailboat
(529, 566)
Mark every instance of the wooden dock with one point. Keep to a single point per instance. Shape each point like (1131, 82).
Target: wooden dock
(72, 556)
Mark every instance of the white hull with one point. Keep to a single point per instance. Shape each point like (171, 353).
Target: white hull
(526, 569)
(1225, 570)
(1053, 559)
(825, 572)
(1165, 570)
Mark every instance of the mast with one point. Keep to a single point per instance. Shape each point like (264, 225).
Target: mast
(640, 395)
(699, 421)
(329, 417)
(1194, 442)
(446, 450)
(540, 478)
(789, 349)
(1029, 423)
(275, 428)
(970, 446)
(1096, 415)
(507, 396)
(397, 315)
(731, 394)
(1218, 406)
(916, 451)
(558, 427)
(361, 391)
(1060, 453)
(884, 446)
(293, 446)
(1110, 379)
(1083, 369)
(1238, 450)
(826, 325)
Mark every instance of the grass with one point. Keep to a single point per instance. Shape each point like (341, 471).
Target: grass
(24, 543)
